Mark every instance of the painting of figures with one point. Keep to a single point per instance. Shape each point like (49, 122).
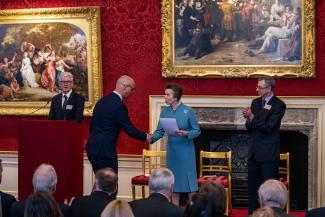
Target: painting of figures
(236, 33)
(36, 46)
(33, 56)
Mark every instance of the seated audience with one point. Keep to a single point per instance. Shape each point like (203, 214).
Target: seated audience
(42, 204)
(216, 193)
(117, 208)
(318, 212)
(264, 212)
(44, 179)
(6, 199)
(273, 193)
(161, 184)
(93, 204)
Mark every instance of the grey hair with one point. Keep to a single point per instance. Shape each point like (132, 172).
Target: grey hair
(65, 74)
(161, 180)
(273, 193)
(45, 178)
(269, 81)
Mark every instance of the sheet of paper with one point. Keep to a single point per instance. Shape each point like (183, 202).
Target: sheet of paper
(169, 125)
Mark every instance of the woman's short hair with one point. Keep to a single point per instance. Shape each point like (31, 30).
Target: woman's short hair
(217, 193)
(178, 90)
(117, 208)
(42, 203)
(201, 205)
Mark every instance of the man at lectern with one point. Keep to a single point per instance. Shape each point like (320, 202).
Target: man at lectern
(263, 120)
(67, 105)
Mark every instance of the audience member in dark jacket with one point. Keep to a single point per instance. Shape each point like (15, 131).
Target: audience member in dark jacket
(93, 204)
(6, 199)
(157, 204)
(44, 179)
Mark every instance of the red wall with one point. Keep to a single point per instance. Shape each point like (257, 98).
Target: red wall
(131, 44)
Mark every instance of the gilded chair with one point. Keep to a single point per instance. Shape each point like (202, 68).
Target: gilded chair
(285, 174)
(220, 173)
(150, 160)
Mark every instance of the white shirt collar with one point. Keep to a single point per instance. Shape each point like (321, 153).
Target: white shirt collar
(67, 94)
(121, 97)
(267, 99)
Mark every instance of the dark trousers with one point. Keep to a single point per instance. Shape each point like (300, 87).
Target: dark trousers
(258, 172)
(98, 162)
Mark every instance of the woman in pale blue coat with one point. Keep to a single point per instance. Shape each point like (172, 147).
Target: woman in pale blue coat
(180, 147)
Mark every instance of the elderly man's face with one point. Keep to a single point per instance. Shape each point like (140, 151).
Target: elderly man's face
(66, 84)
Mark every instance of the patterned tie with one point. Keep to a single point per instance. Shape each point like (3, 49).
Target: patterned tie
(263, 103)
(65, 102)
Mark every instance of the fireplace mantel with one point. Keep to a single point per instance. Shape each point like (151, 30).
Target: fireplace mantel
(304, 114)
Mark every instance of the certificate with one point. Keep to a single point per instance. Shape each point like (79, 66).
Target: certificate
(169, 125)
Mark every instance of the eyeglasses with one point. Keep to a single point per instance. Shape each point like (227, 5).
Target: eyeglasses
(65, 82)
(259, 87)
(129, 86)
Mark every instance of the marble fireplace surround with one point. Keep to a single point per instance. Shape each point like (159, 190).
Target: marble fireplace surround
(303, 114)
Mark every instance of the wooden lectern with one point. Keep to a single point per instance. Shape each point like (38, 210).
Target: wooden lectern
(59, 143)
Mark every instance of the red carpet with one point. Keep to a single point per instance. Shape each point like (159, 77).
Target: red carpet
(244, 212)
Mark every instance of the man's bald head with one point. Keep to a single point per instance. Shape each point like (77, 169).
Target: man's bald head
(125, 85)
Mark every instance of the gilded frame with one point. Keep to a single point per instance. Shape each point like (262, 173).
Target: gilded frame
(86, 21)
(305, 69)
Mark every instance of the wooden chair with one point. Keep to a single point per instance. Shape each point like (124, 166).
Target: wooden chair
(220, 173)
(150, 160)
(285, 175)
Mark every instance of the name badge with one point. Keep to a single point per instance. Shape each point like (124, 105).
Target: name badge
(69, 107)
(267, 107)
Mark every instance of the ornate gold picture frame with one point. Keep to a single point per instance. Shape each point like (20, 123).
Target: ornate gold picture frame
(238, 38)
(39, 44)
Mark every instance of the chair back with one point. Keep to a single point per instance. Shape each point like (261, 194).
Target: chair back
(212, 168)
(284, 170)
(152, 160)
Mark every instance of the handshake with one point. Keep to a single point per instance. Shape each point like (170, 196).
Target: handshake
(149, 138)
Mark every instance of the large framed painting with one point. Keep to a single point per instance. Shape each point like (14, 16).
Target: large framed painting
(238, 38)
(37, 45)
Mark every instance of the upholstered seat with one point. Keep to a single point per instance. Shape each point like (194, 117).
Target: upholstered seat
(150, 160)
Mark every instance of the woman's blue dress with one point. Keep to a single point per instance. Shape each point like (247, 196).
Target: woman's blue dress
(180, 150)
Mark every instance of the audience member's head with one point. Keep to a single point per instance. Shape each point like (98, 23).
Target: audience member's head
(273, 193)
(201, 205)
(117, 208)
(264, 212)
(45, 178)
(41, 204)
(217, 193)
(161, 181)
(106, 180)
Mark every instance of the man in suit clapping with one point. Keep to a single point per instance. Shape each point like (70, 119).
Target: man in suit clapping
(263, 120)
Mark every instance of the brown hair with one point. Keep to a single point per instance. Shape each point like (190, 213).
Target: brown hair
(178, 90)
(42, 204)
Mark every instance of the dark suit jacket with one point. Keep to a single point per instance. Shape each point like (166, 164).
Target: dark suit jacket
(90, 205)
(75, 113)
(18, 208)
(265, 129)
(109, 117)
(6, 201)
(156, 205)
(319, 212)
